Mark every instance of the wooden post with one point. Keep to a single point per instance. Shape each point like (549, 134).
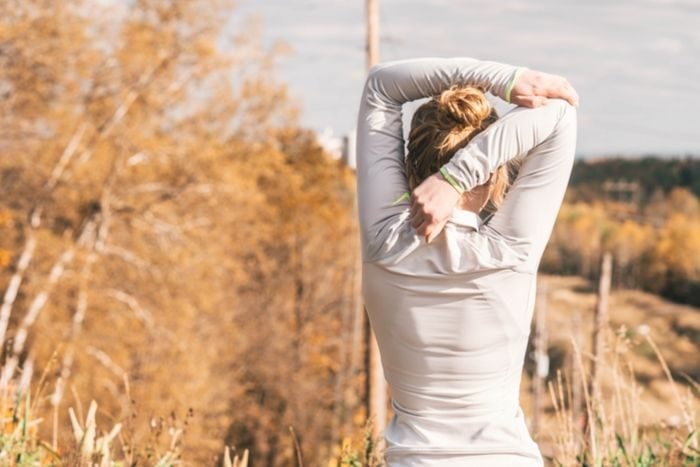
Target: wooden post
(353, 396)
(601, 322)
(377, 390)
(541, 356)
(576, 400)
(348, 344)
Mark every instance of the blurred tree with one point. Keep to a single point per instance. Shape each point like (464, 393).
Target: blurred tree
(629, 244)
(176, 225)
(675, 258)
(654, 248)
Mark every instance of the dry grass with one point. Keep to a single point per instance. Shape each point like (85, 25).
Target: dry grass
(362, 452)
(646, 409)
(611, 431)
(90, 446)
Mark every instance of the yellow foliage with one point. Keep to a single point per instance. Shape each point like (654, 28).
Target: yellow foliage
(5, 258)
(681, 200)
(195, 216)
(678, 247)
(657, 250)
(630, 240)
(5, 218)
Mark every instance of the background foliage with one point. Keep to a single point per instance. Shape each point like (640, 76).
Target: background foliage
(179, 226)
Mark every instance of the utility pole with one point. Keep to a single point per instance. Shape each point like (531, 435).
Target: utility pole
(372, 33)
(601, 323)
(376, 384)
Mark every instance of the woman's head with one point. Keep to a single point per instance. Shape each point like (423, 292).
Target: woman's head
(442, 126)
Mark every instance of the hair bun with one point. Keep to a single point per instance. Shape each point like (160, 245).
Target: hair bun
(443, 125)
(464, 106)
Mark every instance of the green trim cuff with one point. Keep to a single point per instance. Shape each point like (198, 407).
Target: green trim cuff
(517, 73)
(403, 197)
(450, 179)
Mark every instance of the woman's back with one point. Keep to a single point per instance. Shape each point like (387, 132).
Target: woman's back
(452, 347)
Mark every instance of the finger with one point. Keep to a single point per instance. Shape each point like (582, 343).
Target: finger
(422, 228)
(429, 233)
(436, 231)
(522, 101)
(539, 101)
(417, 220)
(569, 94)
(574, 96)
(530, 101)
(565, 91)
(415, 207)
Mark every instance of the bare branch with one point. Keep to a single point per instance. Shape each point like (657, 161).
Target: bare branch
(15, 282)
(40, 300)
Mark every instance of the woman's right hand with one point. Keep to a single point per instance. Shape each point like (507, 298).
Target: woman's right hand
(431, 205)
(532, 88)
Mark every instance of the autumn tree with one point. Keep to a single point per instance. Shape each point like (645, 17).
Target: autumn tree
(170, 225)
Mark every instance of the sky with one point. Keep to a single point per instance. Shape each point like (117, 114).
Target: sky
(634, 63)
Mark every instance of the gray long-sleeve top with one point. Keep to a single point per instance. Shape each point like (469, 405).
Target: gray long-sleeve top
(452, 318)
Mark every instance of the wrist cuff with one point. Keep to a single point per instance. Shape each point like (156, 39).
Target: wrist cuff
(446, 175)
(404, 197)
(517, 73)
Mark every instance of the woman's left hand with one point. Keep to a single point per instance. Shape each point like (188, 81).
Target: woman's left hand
(532, 88)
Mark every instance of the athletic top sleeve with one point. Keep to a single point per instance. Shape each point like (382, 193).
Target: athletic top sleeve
(547, 137)
(381, 179)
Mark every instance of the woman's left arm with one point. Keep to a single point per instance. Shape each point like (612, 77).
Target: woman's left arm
(381, 177)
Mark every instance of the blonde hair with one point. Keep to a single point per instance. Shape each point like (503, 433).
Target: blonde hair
(445, 124)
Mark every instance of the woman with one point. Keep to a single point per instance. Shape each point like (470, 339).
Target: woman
(450, 297)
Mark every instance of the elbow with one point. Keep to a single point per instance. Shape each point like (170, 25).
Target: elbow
(379, 77)
(563, 135)
(374, 77)
(374, 70)
(567, 112)
(567, 120)
(380, 70)
(382, 73)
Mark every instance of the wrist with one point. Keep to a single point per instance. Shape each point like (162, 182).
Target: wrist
(445, 175)
(511, 85)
